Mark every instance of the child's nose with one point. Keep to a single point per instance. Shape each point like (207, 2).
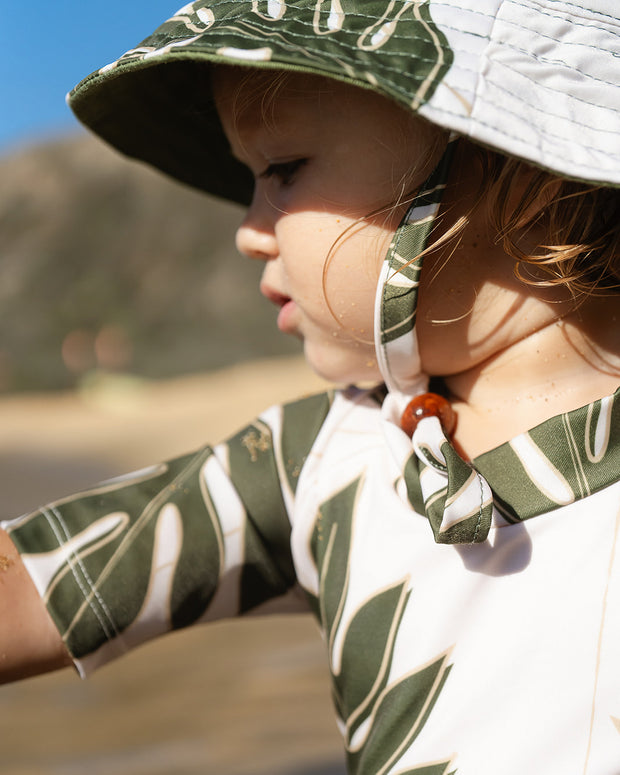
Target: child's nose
(255, 237)
(256, 243)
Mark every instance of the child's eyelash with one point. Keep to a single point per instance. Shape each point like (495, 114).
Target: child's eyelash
(284, 171)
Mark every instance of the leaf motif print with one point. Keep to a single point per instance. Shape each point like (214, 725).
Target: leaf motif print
(380, 717)
(270, 10)
(375, 624)
(401, 275)
(598, 429)
(382, 30)
(398, 356)
(324, 36)
(49, 567)
(328, 17)
(201, 537)
(403, 709)
(394, 47)
(197, 21)
(301, 422)
(332, 542)
(543, 474)
(155, 615)
(565, 458)
(254, 468)
(111, 575)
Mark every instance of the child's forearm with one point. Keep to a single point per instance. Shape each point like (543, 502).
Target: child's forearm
(29, 641)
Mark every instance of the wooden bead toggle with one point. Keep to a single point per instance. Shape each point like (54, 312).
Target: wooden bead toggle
(428, 405)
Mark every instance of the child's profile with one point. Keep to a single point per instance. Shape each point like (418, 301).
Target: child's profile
(433, 191)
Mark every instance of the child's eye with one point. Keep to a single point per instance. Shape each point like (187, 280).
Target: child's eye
(284, 171)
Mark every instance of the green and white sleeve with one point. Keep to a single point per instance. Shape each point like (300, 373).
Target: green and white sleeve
(201, 537)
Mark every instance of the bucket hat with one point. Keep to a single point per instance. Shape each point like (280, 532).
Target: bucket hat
(535, 79)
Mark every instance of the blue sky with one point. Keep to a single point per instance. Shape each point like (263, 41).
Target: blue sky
(47, 46)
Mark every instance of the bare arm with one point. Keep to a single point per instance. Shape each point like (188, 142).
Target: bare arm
(29, 641)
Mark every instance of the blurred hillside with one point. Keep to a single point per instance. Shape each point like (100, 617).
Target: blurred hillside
(106, 264)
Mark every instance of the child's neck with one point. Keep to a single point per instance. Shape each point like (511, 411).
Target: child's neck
(560, 367)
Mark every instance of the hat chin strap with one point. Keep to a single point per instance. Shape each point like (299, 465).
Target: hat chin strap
(457, 500)
(396, 342)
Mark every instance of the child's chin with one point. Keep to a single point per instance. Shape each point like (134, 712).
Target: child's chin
(343, 368)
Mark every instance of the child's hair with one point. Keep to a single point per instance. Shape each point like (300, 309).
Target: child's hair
(581, 224)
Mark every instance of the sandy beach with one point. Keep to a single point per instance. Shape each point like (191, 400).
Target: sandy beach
(233, 698)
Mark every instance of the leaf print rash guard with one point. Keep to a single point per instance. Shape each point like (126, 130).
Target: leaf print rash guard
(437, 650)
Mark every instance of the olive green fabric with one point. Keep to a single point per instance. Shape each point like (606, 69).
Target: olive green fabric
(310, 507)
(155, 104)
(536, 79)
(121, 533)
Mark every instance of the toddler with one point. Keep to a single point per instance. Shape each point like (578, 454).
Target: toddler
(430, 187)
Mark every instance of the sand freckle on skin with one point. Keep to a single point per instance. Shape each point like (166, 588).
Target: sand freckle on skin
(5, 562)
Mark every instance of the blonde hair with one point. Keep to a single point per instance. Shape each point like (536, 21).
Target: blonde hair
(580, 225)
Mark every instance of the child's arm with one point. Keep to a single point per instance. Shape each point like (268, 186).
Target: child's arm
(29, 641)
(201, 537)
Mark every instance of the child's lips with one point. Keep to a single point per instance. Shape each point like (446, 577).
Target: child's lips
(287, 306)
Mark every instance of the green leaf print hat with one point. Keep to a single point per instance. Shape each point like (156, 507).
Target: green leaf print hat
(535, 79)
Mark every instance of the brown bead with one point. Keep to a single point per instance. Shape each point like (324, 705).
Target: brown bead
(428, 405)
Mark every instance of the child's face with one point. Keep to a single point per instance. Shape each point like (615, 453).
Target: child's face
(326, 157)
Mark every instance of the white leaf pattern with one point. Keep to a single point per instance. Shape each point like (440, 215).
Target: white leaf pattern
(541, 471)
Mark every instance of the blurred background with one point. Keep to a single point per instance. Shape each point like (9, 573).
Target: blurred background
(126, 338)
(107, 266)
